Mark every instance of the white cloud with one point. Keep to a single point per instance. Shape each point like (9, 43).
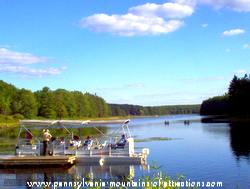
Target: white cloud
(130, 24)
(146, 19)
(19, 63)
(154, 19)
(246, 46)
(12, 57)
(166, 10)
(27, 71)
(233, 32)
(236, 5)
(191, 3)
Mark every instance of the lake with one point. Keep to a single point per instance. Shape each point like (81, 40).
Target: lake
(199, 151)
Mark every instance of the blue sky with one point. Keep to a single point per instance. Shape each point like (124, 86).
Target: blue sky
(143, 52)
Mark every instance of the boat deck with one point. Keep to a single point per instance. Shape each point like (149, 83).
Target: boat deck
(36, 161)
(11, 161)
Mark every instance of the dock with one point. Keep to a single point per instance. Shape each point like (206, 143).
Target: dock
(36, 161)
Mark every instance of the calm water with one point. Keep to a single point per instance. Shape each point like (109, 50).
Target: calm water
(200, 151)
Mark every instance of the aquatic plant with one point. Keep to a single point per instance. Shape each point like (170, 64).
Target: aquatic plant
(150, 139)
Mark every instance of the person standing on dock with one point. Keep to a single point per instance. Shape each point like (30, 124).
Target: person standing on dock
(46, 138)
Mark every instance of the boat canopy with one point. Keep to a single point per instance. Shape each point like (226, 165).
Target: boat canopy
(69, 122)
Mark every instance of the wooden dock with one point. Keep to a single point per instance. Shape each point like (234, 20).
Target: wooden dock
(36, 161)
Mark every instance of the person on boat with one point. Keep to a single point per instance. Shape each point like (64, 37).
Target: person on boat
(88, 142)
(121, 142)
(29, 136)
(46, 138)
(62, 140)
(75, 141)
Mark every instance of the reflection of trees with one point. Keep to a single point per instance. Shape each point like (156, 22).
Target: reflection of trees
(238, 135)
(216, 129)
(75, 173)
(240, 139)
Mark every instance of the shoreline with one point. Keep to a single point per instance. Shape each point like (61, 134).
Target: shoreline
(224, 119)
(10, 121)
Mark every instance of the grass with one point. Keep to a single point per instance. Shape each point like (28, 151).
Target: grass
(13, 120)
(153, 139)
(7, 146)
(8, 121)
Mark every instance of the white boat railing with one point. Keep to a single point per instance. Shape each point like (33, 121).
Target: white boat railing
(69, 145)
(27, 147)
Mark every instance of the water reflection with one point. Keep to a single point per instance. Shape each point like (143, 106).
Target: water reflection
(119, 172)
(217, 129)
(240, 140)
(16, 178)
(238, 134)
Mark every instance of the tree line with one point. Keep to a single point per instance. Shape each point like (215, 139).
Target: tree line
(61, 103)
(51, 104)
(126, 109)
(235, 102)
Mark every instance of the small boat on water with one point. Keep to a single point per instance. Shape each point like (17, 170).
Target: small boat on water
(115, 148)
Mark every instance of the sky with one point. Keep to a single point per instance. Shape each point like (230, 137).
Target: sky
(145, 52)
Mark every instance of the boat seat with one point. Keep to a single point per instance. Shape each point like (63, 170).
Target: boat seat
(27, 149)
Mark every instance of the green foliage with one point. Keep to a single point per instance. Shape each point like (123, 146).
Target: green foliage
(50, 104)
(125, 110)
(218, 105)
(82, 104)
(239, 96)
(236, 102)
(9, 132)
(46, 103)
(6, 94)
(24, 103)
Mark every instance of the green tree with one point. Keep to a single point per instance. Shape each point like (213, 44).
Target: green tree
(46, 103)
(24, 102)
(239, 95)
(6, 93)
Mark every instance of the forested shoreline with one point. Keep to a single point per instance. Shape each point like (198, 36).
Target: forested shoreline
(60, 103)
(51, 104)
(126, 109)
(235, 103)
